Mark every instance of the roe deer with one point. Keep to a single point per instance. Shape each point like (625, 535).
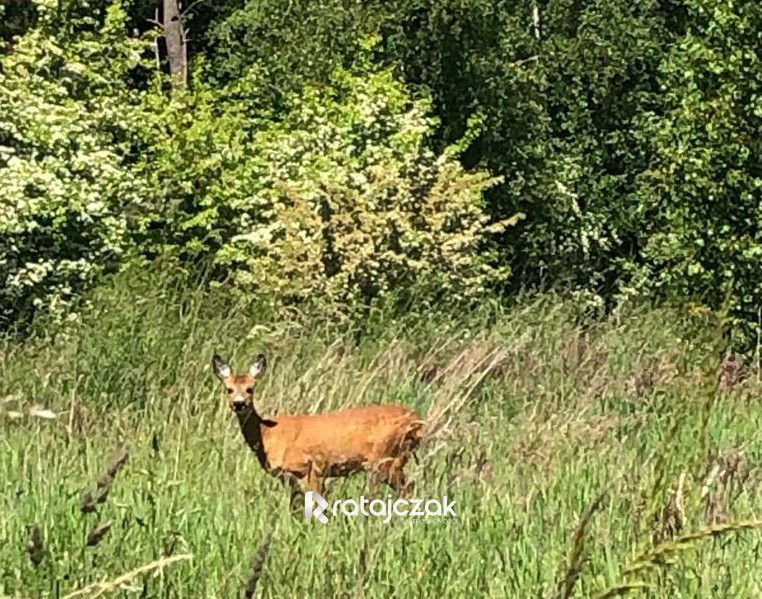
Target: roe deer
(305, 448)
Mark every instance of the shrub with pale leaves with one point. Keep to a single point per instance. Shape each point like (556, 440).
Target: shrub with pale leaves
(64, 187)
(351, 203)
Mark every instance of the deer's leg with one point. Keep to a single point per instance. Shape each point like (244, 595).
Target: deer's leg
(391, 472)
(296, 500)
(313, 480)
(378, 473)
(397, 479)
(375, 478)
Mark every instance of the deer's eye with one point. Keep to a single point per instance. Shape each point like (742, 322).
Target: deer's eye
(230, 390)
(249, 390)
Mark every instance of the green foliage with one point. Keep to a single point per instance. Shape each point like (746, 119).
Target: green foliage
(196, 153)
(544, 413)
(625, 131)
(701, 194)
(16, 16)
(628, 132)
(341, 200)
(290, 45)
(559, 114)
(64, 115)
(356, 204)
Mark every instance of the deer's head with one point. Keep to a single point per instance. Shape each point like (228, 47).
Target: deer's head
(239, 388)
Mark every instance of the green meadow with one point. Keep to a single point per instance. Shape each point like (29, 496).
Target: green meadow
(587, 457)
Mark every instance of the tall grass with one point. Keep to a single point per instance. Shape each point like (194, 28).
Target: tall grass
(573, 449)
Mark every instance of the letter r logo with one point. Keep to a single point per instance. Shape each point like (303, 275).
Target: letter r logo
(310, 499)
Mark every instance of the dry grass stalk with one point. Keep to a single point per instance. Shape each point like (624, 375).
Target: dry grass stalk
(433, 367)
(664, 553)
(730, 372)
(258, 562)
(89, 500)
(622, 589)
(670, 522)
(578, 556)
(35, 545)
(544, 437)
(655, 373)
(98, 589)
(107, 478)
(97, 534)
(726, 478)
(473, 375)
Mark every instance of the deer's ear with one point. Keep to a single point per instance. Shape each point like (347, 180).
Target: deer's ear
(220, 367)
(258, 366)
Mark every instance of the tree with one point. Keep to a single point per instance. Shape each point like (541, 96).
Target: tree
(700, 196)
(175, 40)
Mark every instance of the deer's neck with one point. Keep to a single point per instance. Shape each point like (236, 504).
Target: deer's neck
(251, 427)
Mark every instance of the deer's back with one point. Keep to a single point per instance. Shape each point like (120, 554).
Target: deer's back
(343, 441)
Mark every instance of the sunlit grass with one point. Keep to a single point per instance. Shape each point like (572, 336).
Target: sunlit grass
(535, 413)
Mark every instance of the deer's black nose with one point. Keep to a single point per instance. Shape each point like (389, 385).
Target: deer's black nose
(238, 405)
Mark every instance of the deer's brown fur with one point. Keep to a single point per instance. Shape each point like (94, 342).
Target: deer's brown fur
(306, 448)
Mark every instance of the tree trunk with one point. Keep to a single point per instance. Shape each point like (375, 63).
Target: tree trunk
(174, 36)
(536, 20)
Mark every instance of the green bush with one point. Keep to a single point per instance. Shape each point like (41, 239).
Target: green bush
(341, 200)
(626, 131)
(357, 205)
(64, 113)
(700, 198)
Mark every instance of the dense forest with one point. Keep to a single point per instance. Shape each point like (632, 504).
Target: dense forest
(331, 153)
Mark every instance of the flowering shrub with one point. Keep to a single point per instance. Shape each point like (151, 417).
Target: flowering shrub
(64, 187)
(339, 199)
(349, 202)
